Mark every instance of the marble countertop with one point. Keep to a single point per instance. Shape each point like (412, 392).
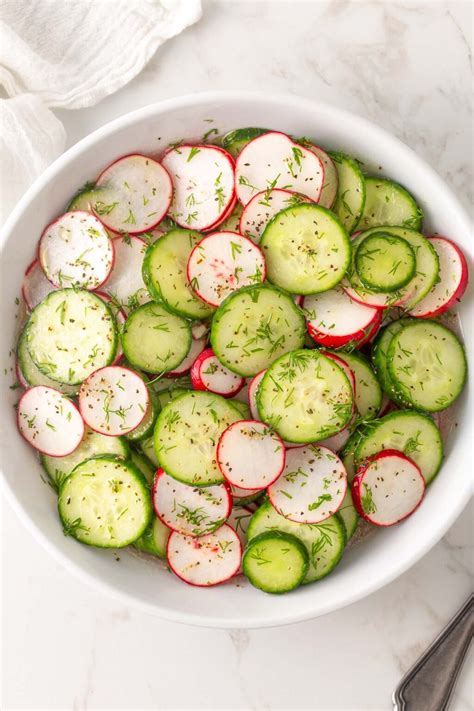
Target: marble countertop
(405, 65)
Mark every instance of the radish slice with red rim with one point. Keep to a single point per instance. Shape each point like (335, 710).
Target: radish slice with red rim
(75, 251)
(223, 262)
(19, 375)
(263, 207)
(36, 286)
(273, 160)
(387, 488)
(208, 373)
(203, 180)
(191, 510)
(134, 194)
(239, 519)
(312, 485)
(223, 218)
(199, 330)
(347, 370)
(49, 421)
(328, 193)
(239, 493)
(125, 283)
(113, 400)
(453, 279)
(205, 561)
(197, 347)
(335, 320)
(250, 455)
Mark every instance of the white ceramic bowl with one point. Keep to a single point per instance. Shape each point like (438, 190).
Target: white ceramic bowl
(148, 585)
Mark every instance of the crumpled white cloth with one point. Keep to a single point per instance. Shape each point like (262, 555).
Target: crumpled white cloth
(68, 54)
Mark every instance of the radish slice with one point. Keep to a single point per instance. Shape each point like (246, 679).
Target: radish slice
(208, 373)
(387, 488)
(220, 221)
(19, 375)
(239, 519)
(275, 161)
(125, 283)
(113, 400)
(208, 560)
(203, 179)
(335, 320)
(298, 299)
(223, 262)
(135, 194)
(239, 493)
(199, 330)
(191, 510)
(347, 370)
(49, 421)
(250, 455)
(263, 207)
(312, 485)
(197, 347)
(374, 299)
(120, 317)
(36, 286)
(328, 193)
(453, 278)
(75, 251)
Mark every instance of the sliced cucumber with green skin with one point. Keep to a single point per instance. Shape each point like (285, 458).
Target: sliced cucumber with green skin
(164, 396)
(83, 199)
(147, 446)
(234, 141)
(186, 435)
(305, 397)
(242, 408)
(232, 223)
(350, 199)
(254, 326)
(144, 465)
(247, 499)
(385, 262)
(413, 433)
(105, 502)
(348, 514)
(33, 375)
(93, 444)
(146, 427)
(306, 249)
(325, 542)
(71, 334)
(427, 365)
(275, 562)
(154, 339)
(368, 393)
(155, 539)
(164, 273)
(379, 358)
(387, 203)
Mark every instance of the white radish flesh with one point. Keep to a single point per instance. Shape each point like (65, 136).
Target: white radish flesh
(36, 286)
(208, 560)
(223, 262)
(113, 400)
(311, 487)
(263, 207)
(331, 181)
(135, 193)
(203, 180)
(250, 455)
(275, 161)
(49, 421)
(197, 347)
(387, 488)
(125, 283)
(208, 373)
(239, 519)
(253, 389)
(191, 510)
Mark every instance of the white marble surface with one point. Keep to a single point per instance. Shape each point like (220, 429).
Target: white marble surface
(407, 66)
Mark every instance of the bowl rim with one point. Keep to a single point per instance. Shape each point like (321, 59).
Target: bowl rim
(184, 101)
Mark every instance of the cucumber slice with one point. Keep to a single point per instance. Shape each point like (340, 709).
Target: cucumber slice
(305, 396)
(234, 141)
(147, 446)
(350, 200)
(143, 464)
(232, 223)
(254, 326)
(71, 334)
(186, 435)
(384, 262)
(83, 199)
(368, 393)
(155, 539)
(306, 248)
(154, 339)
(348, 514)
(427, 365)
(92, 445)
(387, 203)
(324, 542)
(105, 503)
(146, 427)
(32, 374)
(412, 433)
(275, 562)
(242, 408)
(379, 358)
(164, 273)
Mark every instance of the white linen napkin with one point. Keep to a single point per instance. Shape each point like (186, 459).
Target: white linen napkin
(69, 54)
